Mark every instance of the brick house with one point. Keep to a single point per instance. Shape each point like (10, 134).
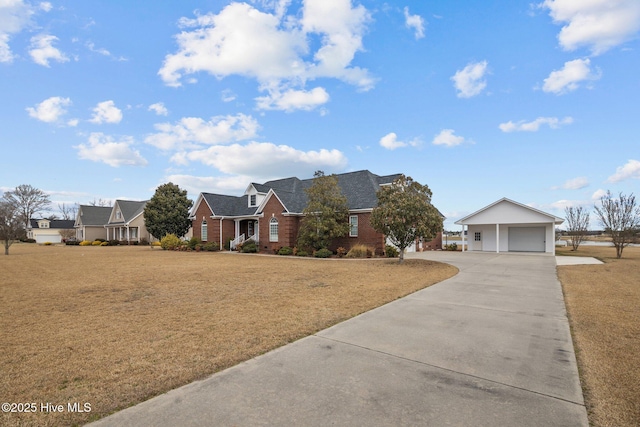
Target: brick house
(270, 214)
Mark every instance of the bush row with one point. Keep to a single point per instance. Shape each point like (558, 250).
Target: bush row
(172, 242)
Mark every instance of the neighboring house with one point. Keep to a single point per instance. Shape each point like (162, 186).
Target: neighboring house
(90, 222)
(508, 226)
(126, 222)
(270, 213)
(47, 230)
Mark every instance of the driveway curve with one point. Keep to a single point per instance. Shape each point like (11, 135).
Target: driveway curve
(488, 347)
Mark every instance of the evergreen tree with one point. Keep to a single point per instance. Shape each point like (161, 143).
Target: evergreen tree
(326, 216)
(168, 211)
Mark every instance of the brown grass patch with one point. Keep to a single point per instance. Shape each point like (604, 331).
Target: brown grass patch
(603, 302)
(113, 326)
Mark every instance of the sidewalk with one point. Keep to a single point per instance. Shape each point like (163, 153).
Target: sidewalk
(488, 347)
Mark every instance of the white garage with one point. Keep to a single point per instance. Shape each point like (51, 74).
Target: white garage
(509, 226)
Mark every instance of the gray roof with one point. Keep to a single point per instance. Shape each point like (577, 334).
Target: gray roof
(223, 205)
(65, 224)
(359, 188)
(130, 209)
(94, 215)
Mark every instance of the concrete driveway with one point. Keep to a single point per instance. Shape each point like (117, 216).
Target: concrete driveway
(488, 347)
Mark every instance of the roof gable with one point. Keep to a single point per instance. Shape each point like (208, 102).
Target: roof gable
(223, 205)
(507, 211)
(93, 215)
(129, 210)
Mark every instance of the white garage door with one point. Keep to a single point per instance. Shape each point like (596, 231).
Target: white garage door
(526, 239)
(43, 238)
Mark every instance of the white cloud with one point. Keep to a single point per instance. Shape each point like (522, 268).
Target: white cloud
(15, 15)
(574, 184)
(106, 112)
(45, 6)
(265, 159)
(447, 138)
(210, 184)
(630, 170)
(273, 48)
(228, 95)
(415, 22)
(191, 132)
(103, 148)
(598, 194)
(390, 142)
(50, 110)
(568, 78)
(292, 100)
(597, 24)
(42, 50)
(159, 109)
(470, 80)
(522, 126)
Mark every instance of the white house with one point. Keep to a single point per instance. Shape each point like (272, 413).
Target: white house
(509, 226)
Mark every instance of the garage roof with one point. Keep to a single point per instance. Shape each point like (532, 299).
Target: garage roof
(507, 211)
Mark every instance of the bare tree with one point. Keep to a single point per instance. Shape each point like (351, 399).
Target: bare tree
(11, 224)
(100, 202)
(621, 217)
(68, 211)
(577, 224)
(28, 201)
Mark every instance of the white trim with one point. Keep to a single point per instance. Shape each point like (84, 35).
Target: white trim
(557, 220)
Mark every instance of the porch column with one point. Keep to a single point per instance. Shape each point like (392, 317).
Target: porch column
(553, 233)
(237, 225)
(497, 238)
(462, 237)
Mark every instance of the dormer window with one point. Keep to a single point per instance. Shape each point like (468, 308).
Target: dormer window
(43, 224)
(118, 214)
(252, 200)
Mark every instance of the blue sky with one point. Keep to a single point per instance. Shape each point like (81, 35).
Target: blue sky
(535, 101)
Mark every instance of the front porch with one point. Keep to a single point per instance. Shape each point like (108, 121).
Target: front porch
(245, 229)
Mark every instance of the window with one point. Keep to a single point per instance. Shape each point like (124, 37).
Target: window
(477, 236)
(204, 231)
(118, 214)
(252, 200)
(133, 233)
(273, 230)
(353, 226)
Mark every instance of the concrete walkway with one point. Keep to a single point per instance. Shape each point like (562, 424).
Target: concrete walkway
(488, 347)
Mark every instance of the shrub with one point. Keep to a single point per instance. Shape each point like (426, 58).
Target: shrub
(302, 253)
(391, 251)
(104, 244)
(114, 242)
(85, 243)
(156, 244)
(144, 241)
(451, 247)
(96, 243)
(193, 242)
(286, 250)
(48, 243)
(210, 247)
(323, 253)
(72, 243)
(170, 242)
(341, 252)
(249, 247)
(360, 251)
(99, 240)
(29, 240)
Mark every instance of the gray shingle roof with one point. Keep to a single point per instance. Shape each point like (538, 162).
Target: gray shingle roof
(223, 205)
(359, 188)
(65, 224)
(94, 215)
(130, 209)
